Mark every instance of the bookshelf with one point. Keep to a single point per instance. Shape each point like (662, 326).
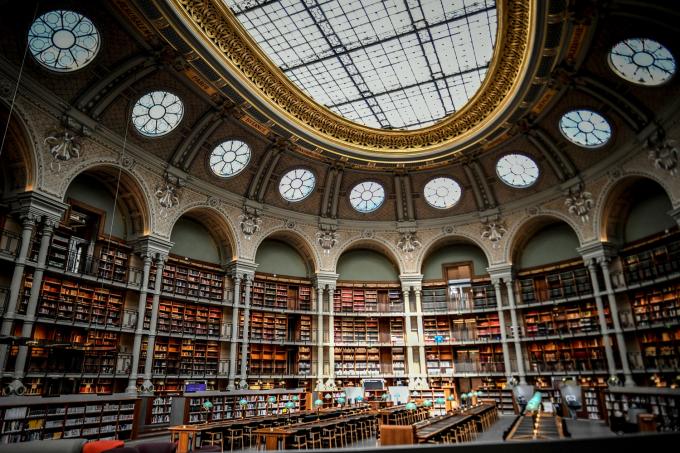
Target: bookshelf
(281, 293)
(304, 361)
(66, 299)
(268, 359)
(439, 360)
(185, 317)
(398, 362)
(576, 355)
(363, 297)
(431, 395)
(161, 408)
(660, 350)
(113, 263)
(397, 331)
(69, 416)
(437, 296)
(190, 279)
(649, 306)
(226, 405)
(356, 330)
(357, 361)
(560, 281)
(568, 319)
(652, 258)
(268, 326)
(499, 395)
(182, 356)
(664, 403)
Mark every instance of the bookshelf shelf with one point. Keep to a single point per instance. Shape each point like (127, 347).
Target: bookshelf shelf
(182, 356)
(180, 317)
(556, 282)
(287, 294)
(190, 279)
(226, 405)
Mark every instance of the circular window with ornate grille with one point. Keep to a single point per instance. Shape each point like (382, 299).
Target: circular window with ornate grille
(297, 184)
(157, 113)
(642, 61)
(517, 170)
(229, 158)
(367, 196)
(585, 128)
(442, 192)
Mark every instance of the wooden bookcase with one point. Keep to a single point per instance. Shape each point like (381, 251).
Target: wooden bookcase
(182, 356)
(269, 359)
(431, 394)
(568, 319)
(113, 263)
(654, 305)
(660, 349)
(655, 257)
(663, 403)
(185, 317)
(367, 297)
(357, 361)
(556, 282)
(70, 416)
(66, 299)
(573, 355)
(191, 279)
(356, 330)
(281, 292)
(268, 326)
(439, 360)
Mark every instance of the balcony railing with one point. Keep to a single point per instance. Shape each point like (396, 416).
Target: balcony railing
(567, 366)
(101, 268)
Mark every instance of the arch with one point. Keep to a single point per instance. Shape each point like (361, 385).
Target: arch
(375, 244)
(526, 230)
(297, 241)
(217, 224)
(131, 195)
(446, 240)
(18, 163)
(617, 202)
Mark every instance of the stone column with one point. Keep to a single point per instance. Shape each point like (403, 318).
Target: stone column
(139, 331)
(604, 329)
(421, 333)
(515, 332)
(28, 223)
(331, 336)
(319, 336)
(613, 308)
(147, 386)
(407, 326)
(29, 320)
(233, 359)
(504, 335)
(246, 328)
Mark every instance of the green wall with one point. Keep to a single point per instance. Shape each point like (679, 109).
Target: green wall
(366, 265)
(648, 216)
(556, 242)
(432, 267)
(193, 240)
(90, 191)
(276, 257)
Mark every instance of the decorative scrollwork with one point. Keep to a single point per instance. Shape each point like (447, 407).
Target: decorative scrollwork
(327, 239)
(448, 229)
(493, 231)
(62, 146)
(408, 242)
(663, 153)
(579, 202)
(367, 234)
(250, 223)
(168, 194)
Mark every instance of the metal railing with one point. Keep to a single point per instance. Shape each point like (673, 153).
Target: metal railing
(98, 267)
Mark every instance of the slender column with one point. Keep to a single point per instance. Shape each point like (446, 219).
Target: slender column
(407, 326)
(606, 340)
(504, 335)
(147, 386)
(319, 335)
(331, 335)
(421, 333)
(139, 331)
(613, 308)
(29, 320)
(246, 327)
(234, 333)
(28, 222)
(515, 332)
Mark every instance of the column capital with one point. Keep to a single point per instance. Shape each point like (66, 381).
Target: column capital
(325, 279)
(37, 206)
(152, 246)
(502, 271)
(242, 269)
(411, 281)
(597, 250)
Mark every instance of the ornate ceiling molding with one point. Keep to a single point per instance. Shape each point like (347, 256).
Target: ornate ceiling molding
(220, 33)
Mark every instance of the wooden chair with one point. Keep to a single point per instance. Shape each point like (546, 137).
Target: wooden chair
(314, 438)
(234, 437)
(300, 441)
(352, 432)
(214, 438)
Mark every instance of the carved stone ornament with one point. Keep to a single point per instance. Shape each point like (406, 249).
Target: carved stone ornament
(63, 146)
(250, 223)
(448, 229)
(6, 88)
(663, 153)
(213, 202)
(367, 234)
(493, 230)
(127, 161)
(408, 242)
(290, 224)
(579, 203)
(327, 239)
(167, 194)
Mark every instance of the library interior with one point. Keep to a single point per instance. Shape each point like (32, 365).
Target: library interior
(259, 225)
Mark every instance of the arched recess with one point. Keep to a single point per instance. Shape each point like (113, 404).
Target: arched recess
(277, 244)
(635, 207)
(543, 240)
(452, 249)
(202, 233)
(367, 260)
(17, 162)
(123, 188)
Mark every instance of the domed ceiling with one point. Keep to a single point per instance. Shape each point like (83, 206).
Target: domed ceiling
(388, 65)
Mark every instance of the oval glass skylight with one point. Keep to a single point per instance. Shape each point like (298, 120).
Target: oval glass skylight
(390, 65)
(367, 196)
(157, 113)
(442, 193)
(585, 128)
(642, 61)
(517, 170)
(296, 184)
(63, 40)
(229, 158)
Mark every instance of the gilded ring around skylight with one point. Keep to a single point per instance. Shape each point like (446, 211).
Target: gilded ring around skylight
(234, 46)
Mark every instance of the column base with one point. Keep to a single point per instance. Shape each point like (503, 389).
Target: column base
(629, 382)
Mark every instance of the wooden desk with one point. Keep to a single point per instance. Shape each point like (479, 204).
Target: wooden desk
(440, 426)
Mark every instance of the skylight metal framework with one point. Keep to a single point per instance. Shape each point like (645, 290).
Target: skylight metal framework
(391, 64)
